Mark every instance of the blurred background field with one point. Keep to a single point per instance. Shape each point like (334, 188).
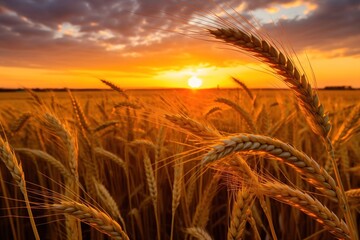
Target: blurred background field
(330, 98)
(132, 152)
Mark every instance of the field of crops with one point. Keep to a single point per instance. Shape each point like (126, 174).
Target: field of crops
(177, 164)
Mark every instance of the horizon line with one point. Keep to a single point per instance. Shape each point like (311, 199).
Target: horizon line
(60, 89)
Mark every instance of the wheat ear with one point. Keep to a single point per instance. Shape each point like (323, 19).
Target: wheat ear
(296, 159)
(240, 163)
(113, 157)
(109, 202)
(198, 233)
(309, 205)
(84, 125)
(127, 104)
(38, 101)
(243, 86)
(143, 142)
(9, 159)
(115, 88)
(105, 125)
(308, 99)
(252, 222)
(193, 126)
(248, 119)
(211, 111)
(201, 215)
(55, 126)
(176, 192)
(20, 122)
(353, 195)
(48, 158)
(242, 204)
(95, 218)
(345, 131)
(151, 181)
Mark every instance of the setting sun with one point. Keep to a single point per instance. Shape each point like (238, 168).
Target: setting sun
(194, 82)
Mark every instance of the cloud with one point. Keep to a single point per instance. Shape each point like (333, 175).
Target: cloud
(65, 33)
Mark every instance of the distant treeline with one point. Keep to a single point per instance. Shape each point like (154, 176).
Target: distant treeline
(53, 89)
(152, 89)
(339, 88)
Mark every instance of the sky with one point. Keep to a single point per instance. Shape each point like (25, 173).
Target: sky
(163, 43)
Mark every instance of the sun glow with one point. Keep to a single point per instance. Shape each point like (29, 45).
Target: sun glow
(194, 82)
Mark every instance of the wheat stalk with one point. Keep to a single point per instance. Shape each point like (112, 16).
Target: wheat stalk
(8, 157)
(89, 215)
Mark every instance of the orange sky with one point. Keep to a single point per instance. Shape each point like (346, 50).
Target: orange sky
(141, 44)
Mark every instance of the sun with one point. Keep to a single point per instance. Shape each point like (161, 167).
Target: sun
(194, 82)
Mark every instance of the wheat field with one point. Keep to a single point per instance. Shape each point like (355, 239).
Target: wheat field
(182, 164)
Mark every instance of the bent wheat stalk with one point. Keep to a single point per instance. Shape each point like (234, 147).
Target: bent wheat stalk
(281, 151)
(308, 99)
(308, 205)
(95, 218)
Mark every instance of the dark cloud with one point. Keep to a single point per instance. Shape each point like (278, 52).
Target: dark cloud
(48, 12)
(333, 25)
(28, 27)
(255, 4)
